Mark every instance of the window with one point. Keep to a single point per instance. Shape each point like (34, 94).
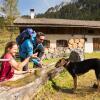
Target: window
(91, 31)
(61, 43)
(96, 44)
(46, 43)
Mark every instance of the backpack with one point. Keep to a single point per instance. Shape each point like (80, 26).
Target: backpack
(26, 34)
(74, 56)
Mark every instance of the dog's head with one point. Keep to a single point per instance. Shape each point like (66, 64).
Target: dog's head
(61, 62)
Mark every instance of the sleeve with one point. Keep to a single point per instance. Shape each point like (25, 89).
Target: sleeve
(8, 56)
(29, 48)
(40, 50)
(35, 61)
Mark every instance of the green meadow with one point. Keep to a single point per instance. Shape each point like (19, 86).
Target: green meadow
(60, 87)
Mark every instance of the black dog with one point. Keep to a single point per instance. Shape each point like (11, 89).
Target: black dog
(81, 67)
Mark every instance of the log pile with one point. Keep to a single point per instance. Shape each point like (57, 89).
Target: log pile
(76, 43)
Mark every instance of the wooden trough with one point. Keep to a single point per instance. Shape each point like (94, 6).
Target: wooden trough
(29, 90)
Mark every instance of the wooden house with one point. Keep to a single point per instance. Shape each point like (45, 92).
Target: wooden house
(82, 34)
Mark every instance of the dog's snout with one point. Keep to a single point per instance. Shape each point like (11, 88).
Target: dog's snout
(57, 65)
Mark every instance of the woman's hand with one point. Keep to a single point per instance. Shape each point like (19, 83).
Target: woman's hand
(35, 56)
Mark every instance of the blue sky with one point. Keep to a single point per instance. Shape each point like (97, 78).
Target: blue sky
(40, 6)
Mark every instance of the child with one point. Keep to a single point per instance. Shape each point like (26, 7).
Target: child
(9, 65)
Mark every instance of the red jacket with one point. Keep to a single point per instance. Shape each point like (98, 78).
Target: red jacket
(7, 71)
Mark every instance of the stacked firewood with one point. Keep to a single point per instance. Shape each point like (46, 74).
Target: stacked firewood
(76, 43)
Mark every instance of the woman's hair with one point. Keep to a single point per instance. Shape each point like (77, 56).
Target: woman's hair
(8, 45)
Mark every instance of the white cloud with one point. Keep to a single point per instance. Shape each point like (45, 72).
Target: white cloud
(46, 2)
(66, 0)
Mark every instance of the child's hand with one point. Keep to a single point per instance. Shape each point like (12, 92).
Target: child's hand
(29, 71)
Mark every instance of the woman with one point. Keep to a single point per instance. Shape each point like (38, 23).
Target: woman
(8, 66)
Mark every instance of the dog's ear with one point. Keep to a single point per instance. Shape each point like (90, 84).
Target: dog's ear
(61, 62)
(58, 63)
(67, 60)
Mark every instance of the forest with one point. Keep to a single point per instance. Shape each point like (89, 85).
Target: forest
(76, 9)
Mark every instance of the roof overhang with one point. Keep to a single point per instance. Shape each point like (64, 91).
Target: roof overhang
(45, 22)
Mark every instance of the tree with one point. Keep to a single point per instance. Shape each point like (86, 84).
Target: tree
(77, 9)
(10, 9)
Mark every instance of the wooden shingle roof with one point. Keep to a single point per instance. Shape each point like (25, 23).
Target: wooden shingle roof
(56, 22)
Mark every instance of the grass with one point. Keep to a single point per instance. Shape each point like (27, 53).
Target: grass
(60, 88)
(92, 55)
(20, 82)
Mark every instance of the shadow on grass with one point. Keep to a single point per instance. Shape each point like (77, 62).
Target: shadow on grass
(58, 88)
(79, 91)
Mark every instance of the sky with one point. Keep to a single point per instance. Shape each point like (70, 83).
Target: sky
(40, 6)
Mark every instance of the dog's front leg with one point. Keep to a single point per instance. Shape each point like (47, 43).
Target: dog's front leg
(75, 82)
(98, 84)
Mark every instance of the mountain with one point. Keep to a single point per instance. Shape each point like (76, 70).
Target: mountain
(76, 9)
(56, 8)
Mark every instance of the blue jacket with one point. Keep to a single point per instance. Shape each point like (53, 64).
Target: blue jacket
(26, 48)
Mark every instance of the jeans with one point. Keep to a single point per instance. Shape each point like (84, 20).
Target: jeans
(25, 68)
